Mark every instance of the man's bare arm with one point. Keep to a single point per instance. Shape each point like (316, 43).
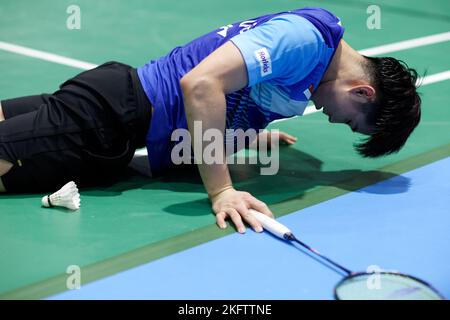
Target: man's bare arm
(204, 89)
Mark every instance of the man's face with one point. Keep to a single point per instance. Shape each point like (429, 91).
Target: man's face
(344, 101)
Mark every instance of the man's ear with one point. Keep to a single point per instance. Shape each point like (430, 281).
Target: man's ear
(363, 93)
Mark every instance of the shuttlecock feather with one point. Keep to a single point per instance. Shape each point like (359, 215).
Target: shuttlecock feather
(67, 197)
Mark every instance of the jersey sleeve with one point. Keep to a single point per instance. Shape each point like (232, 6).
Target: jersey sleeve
(284, 49)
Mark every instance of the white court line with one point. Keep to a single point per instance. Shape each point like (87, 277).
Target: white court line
(441, 76)
(407, 44)
(46, 56)
(392, 47)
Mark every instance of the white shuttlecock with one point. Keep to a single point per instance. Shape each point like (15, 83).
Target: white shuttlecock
(67, 197)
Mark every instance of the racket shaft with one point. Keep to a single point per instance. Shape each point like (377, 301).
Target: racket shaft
(270, 224)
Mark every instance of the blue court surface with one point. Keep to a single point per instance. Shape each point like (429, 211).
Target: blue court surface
(405, 228)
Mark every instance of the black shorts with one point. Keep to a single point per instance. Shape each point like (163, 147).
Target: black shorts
(87, 131)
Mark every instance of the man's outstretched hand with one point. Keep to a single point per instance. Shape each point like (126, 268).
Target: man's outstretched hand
(234, 204)
(271, 138)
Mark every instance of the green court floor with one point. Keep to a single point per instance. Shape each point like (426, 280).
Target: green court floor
(141, 219)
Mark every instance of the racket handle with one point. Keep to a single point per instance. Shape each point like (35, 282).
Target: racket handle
(270, 224)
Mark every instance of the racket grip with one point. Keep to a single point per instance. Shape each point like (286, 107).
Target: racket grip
(270, 224)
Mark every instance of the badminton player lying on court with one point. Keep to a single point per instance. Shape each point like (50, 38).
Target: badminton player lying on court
(243, 75)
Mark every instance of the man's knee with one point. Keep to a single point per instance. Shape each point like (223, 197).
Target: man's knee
(2, 186)
(2, 116)
(5, 166)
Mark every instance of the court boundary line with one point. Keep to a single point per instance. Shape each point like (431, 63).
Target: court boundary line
(46, 56)
(433, 78)
(172, 245)
(406, 44)
(382, 49)
(84, 65)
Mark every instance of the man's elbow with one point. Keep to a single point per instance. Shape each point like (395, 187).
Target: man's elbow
(198, 88)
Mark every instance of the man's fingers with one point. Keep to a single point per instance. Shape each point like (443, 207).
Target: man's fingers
(236, 218)
(220, 218)
(291, 140)
(236, 206)
(255, 224)
(287, 138)
(261, 207)
(287, 141)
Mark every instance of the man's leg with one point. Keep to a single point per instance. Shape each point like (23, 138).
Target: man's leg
(42, 149)
(2, 116)
(58, 143)
(17, 107)
(4, 165)
(72, 134)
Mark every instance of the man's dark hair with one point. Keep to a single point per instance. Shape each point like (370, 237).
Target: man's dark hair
(396, 111)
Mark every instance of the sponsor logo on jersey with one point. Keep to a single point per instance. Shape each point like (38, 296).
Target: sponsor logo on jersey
(308, 92)
(263, 56)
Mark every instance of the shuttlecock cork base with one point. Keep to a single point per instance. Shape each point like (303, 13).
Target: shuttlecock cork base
(67, 197)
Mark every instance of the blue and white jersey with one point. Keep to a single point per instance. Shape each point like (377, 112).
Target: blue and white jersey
(286, 55)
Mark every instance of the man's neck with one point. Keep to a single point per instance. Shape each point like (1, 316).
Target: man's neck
(346, 63)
